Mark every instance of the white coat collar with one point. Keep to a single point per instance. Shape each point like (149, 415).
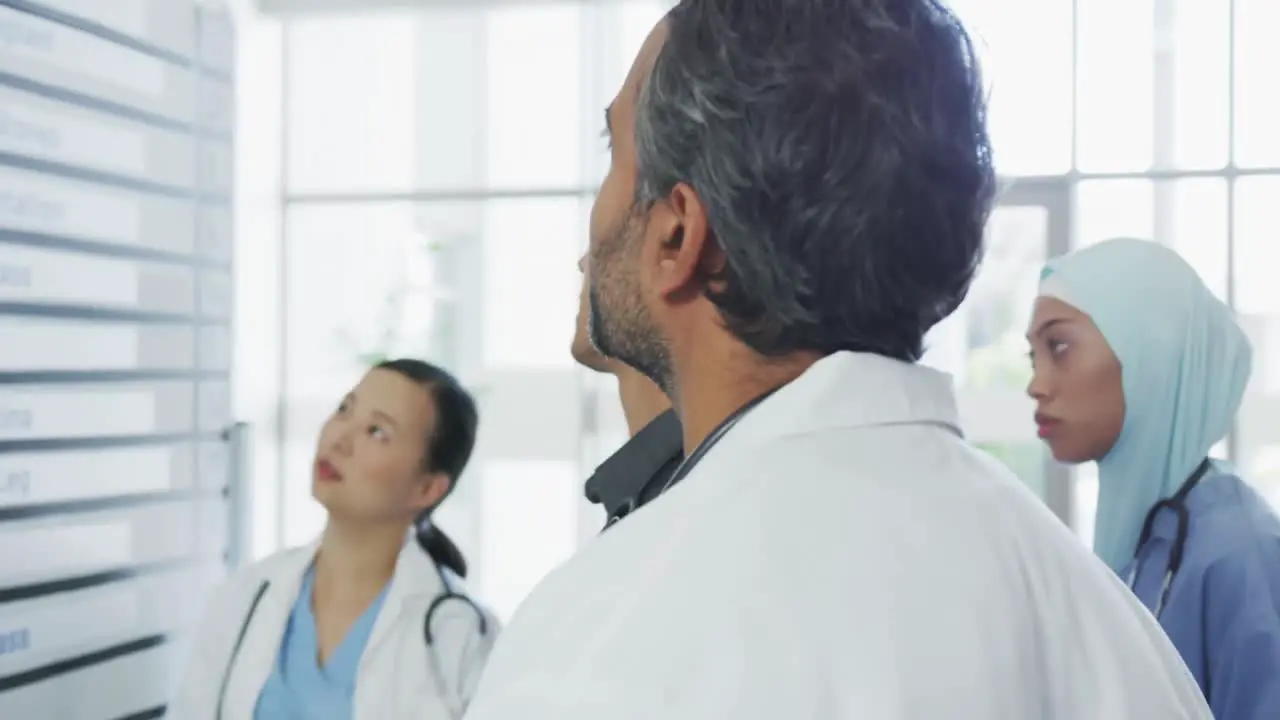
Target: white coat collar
(413, 585)
(415, 574)
(846, 390)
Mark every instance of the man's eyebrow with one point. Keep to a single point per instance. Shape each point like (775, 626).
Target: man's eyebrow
(608, 120)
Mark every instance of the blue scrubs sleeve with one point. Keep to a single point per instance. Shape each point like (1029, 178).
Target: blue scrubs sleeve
(1242, 638)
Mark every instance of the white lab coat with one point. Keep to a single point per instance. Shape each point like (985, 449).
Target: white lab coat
(394, 679)
(842, 553)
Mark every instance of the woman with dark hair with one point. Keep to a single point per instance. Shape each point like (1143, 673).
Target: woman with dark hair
(368, 622)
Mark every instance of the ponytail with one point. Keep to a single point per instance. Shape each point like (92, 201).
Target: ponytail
(440, 548)
(448, 448)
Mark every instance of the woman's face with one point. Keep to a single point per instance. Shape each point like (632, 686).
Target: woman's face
(1076, 383)
(369, 463)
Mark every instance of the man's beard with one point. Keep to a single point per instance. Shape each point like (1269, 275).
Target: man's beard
(622, 329)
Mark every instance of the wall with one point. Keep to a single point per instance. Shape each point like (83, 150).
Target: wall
(115, 346)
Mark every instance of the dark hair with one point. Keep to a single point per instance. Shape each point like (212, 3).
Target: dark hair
(841, 151)
(448, 447)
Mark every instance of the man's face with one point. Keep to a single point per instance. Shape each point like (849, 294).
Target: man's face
(583, 348)
(620, 321)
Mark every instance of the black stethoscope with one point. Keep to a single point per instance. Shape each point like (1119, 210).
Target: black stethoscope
(454, 699)
(686, 466)
(1177, 504)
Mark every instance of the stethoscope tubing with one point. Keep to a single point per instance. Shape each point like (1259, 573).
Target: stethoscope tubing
(456, 704)
(1178, 504)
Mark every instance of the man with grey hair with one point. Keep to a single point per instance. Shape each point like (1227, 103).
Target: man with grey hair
(797, 195)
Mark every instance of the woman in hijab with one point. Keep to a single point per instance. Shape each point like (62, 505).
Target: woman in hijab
(1138, 367)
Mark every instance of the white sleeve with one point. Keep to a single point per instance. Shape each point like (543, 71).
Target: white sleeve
(196, 695)
(463, 648)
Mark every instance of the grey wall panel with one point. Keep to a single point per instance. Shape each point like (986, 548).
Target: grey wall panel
(47, 548)
(215, 348)
(65, 57)
(32, 344)
(168, 24)
(53, 476)
(215, 292)
(89, 410)
(60, 207)
(116, 287)
(65, 277)
(215, 167)
(216, 37)
(214, 405)
(63, 625)
(212, 465)
(215, 239)
(121, 687)
(215, 109)
(42, 128)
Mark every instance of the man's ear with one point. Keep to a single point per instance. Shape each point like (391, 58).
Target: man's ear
(688, 255)
(432, 491)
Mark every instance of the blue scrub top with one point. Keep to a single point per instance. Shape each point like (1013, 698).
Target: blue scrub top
(1223, 610)
(298, 687)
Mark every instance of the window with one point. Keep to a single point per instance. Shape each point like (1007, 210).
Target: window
(444, 99)
(1084, 514)
(619, 28)
(1189, 215)
(256, 327)
(983, 343)
(535, 101)
(352, 96)
(1108, 209)
(531, 283)
(362, 284)
(1199, 42)
(1258, 308)
(1115, 55)
(1257, 95)
(1025, 53)
(529, 525)
(1197, 212)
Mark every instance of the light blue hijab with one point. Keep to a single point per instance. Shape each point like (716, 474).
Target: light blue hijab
(1184, 363)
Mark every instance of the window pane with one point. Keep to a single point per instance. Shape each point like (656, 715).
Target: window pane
(531, 283)
(618, 30)
(1025, 51)
(351, 103)
(363, 281)
(1026, 459)
(1257, 97)
(1115, 52)
(982, 344)
(1114, 208)
(529, 525)
(1201, 46)
(535, 96)
(1194, 214)
(1257, 293)
(436, 99)
(492, 283)
(1085, 501)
